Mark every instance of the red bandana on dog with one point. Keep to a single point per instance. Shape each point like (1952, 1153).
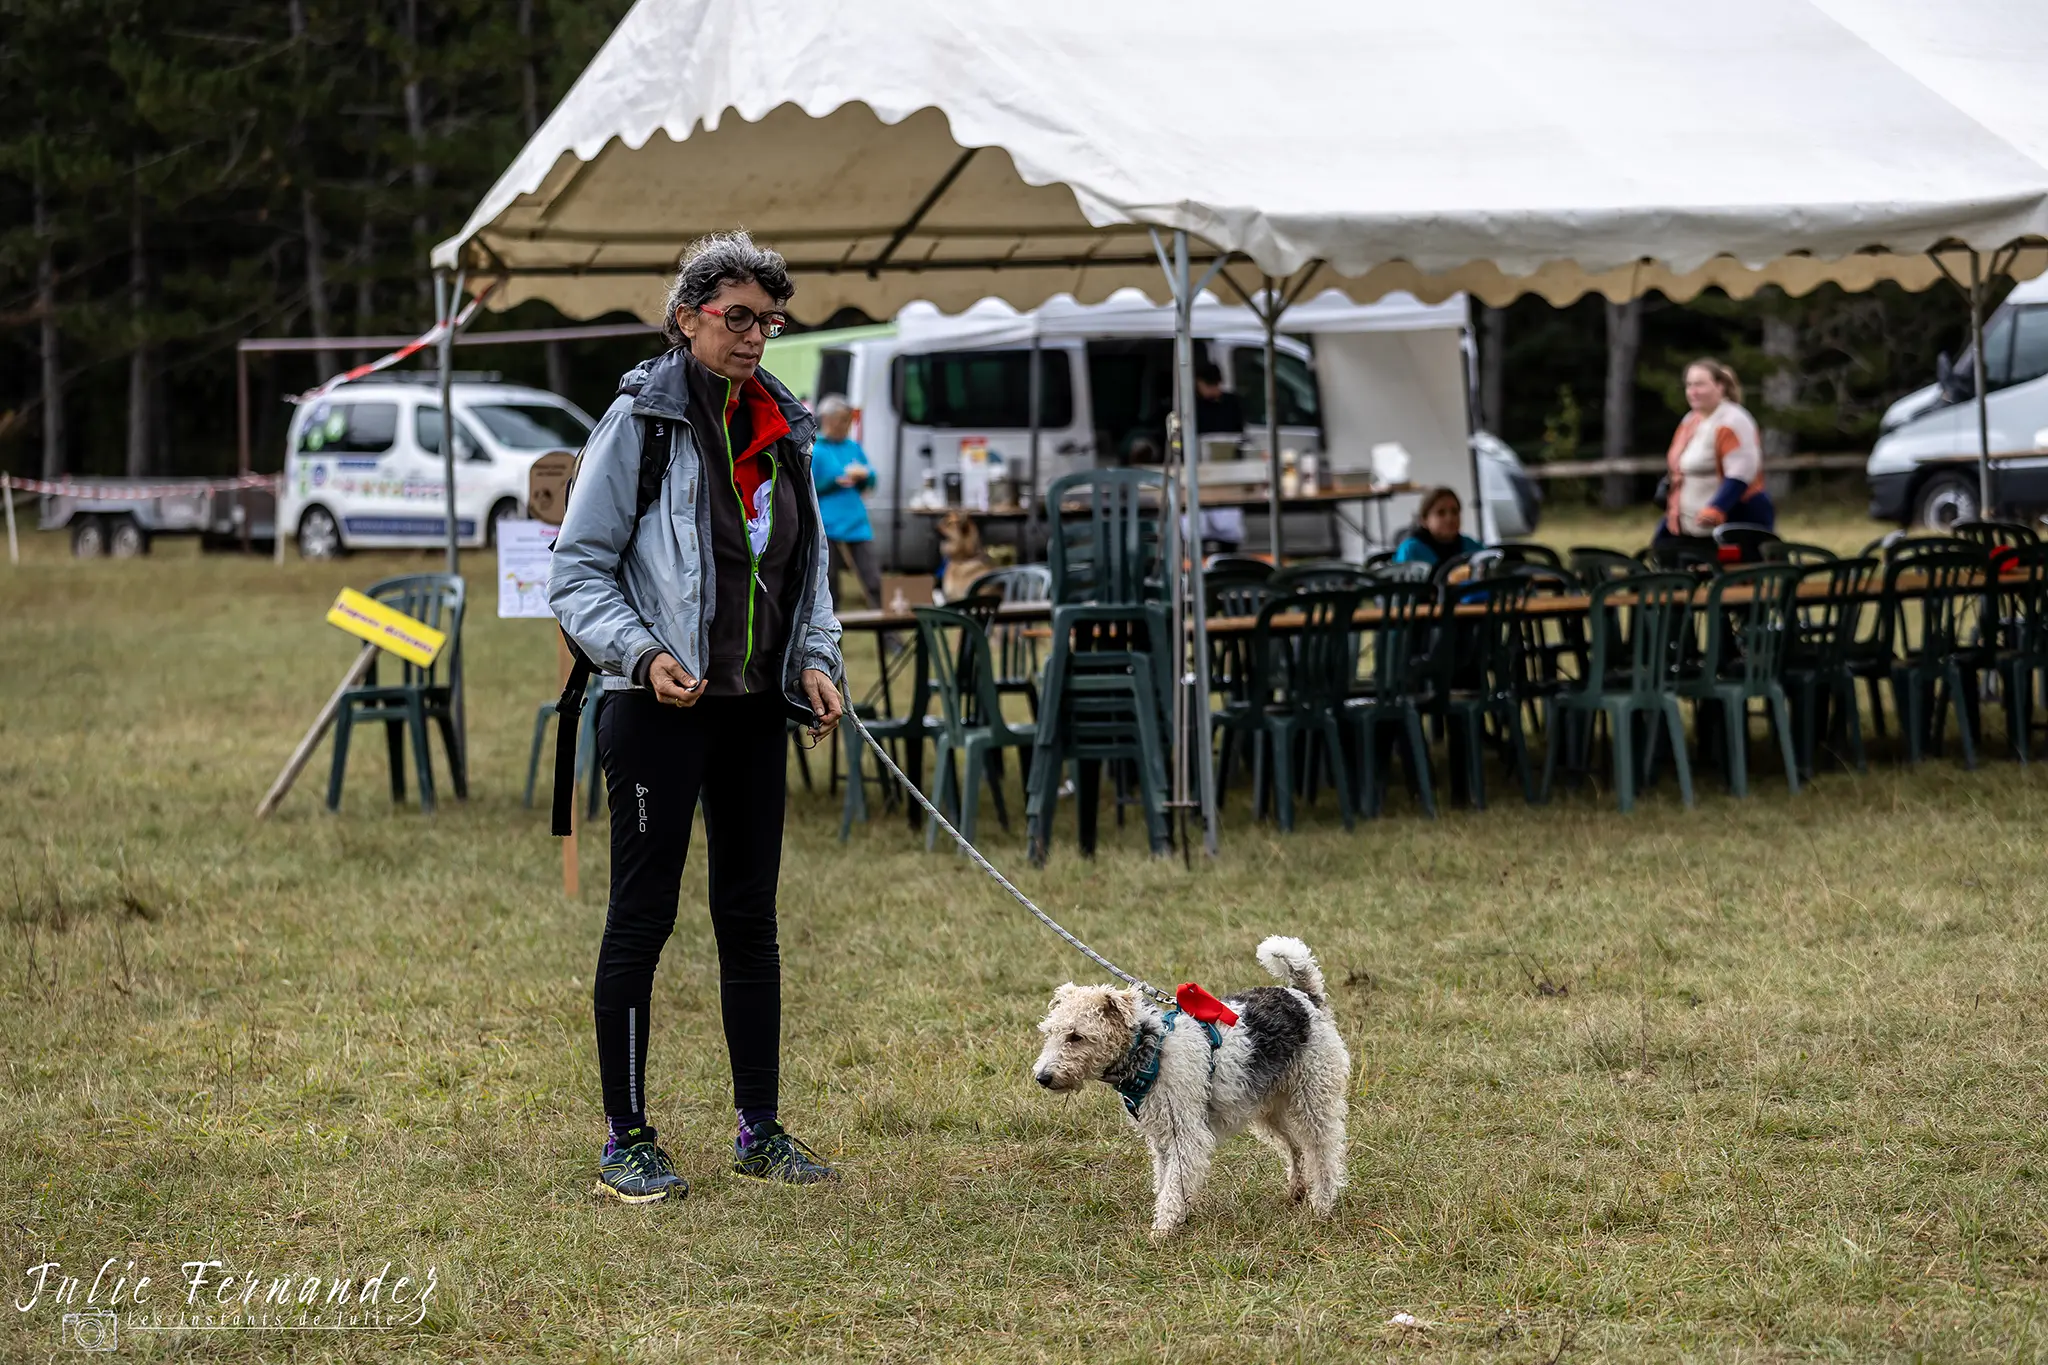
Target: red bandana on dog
(1198, 1004)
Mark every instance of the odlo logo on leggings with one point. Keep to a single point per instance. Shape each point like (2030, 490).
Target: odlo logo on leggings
(640, 791)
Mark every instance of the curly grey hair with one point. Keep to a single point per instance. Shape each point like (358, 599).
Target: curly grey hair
(833, 404)
(723, 258)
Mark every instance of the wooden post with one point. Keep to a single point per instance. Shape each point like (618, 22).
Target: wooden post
(13, 546)
(297, 762)
(569, 859)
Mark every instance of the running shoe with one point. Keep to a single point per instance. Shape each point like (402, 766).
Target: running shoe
(635, 1171)
(774, 1155)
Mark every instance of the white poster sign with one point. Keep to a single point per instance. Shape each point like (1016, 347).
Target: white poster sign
(523, 555)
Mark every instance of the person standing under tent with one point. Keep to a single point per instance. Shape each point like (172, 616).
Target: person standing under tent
(1218, 412)
(707, 608)
(840, 468)
(1716, 461)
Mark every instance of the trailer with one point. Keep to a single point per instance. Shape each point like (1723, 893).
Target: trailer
(121, 517)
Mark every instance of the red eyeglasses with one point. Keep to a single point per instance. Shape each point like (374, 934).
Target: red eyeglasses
(738, 318)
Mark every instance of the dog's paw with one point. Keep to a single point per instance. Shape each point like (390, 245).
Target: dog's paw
(1161, 1235)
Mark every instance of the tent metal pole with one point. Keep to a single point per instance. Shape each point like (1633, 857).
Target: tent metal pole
(1986, 506)
(1192, 680)
(1037, 391)
(1270, 315)
(444, 310)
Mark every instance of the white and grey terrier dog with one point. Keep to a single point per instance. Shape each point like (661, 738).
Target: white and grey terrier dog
(1281, 1070)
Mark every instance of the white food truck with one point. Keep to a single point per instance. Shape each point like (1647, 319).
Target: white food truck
(931, 385)
(363, 467)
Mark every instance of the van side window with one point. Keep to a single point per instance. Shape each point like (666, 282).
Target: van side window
(835, 374)
(1294, 383)
(349, 429)
(984, 389)
(2029, 346)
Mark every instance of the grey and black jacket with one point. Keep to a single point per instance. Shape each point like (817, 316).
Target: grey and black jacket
(664, 593)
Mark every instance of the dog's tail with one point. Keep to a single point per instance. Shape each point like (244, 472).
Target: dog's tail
(1291, 961)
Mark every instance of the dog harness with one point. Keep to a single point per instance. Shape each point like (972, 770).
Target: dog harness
(1142, 1080)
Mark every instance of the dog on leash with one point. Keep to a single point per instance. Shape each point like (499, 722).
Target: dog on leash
(960, 543)
(1281, 1070)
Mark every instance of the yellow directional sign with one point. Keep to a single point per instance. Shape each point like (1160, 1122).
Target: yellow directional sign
(368, 619)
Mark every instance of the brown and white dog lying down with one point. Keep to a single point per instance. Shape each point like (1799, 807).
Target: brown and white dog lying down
(960, 543)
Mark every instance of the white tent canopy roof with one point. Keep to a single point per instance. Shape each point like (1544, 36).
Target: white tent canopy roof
(1128, 312)
(901, 149)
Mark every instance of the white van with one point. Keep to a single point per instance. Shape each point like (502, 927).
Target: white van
(930, 384)
(1923, 470)
(363, 467)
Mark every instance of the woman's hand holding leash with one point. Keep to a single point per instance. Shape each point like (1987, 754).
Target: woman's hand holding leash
(825, 703)
(672, 683)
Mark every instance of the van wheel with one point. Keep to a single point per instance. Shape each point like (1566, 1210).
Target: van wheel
(88, 538)
(126, 540)
(505, 509)
(1945, 500)
(319, 536)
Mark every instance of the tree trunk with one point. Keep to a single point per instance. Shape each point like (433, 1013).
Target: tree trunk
(329, 362)
(529, 93)
(141, 383)
(1618, 409)
(1780, 393)
(416, 129)
(1493, 345)
(46, 309)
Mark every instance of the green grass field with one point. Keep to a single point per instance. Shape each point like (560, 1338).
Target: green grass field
(1763, 1080)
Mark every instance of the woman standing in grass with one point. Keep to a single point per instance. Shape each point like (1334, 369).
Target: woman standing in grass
(1716, 460)
(711, 617)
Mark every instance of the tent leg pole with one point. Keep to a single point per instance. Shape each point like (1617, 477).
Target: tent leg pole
(1986, 504)
(444, 307)
(1037, 395)
(1192, 686)
(1272, 320)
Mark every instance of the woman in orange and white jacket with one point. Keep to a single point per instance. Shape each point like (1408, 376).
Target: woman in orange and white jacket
(1716, 459)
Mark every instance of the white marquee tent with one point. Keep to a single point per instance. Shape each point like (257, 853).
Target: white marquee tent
(903, 149)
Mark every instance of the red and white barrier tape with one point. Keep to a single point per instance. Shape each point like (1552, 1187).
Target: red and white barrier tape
(124, 492)
(411, 348)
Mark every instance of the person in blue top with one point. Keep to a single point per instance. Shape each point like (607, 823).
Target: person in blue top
(1435, 536)
(840, 468)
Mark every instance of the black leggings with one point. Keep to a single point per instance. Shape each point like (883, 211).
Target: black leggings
(656, 762)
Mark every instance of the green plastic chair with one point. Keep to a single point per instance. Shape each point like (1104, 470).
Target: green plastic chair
(1114, 552)
(1797, 552)
(1013, 646)
(1946, 653)
(1101, 702)
(2021, 659)
(1233, 657)
(1872, 655)
(906, 730)
(420, 694)
(586, 749)
(1743, 661)
(1487, 691)
(971, 725)
(1301, 677)
(1322, 575)
(1593, 565)
(1396, 692)
(1637, 642)
(1817, 666)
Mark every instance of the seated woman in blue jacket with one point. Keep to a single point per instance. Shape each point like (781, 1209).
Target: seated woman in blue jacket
(1435, 536)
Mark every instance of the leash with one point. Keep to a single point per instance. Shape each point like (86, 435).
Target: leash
(1137, 983)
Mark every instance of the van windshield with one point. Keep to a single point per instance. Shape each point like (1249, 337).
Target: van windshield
(531, 426)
